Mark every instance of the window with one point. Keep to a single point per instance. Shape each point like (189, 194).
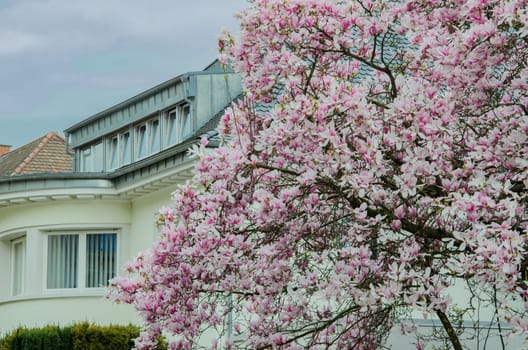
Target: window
(172, 136)
(87, 260)
(141, 138)
(154, 136)
(92, 158)
(63, 262)
(148, 138)
(185, 120)
(86, 159)
(136, 141)
(101, 253)
(98, 157)
(18, 253)
(179, 124)
(118, 150)
(125, 147)
(113, 152)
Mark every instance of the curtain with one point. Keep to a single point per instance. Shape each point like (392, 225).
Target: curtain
(100, 259)
(62, 261)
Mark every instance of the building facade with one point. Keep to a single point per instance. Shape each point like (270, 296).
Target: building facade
(64, 234)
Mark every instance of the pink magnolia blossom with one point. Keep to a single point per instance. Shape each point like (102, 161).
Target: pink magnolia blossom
(387, 161)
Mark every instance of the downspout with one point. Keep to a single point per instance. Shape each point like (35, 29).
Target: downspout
(67, 149)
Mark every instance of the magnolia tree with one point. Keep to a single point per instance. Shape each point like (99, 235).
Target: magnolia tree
(378, 157)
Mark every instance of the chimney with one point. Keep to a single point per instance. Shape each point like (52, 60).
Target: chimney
(4, 149)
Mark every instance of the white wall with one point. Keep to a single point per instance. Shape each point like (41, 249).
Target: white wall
(38, 306)
(63, 311)
(65, 213)
(135, 223)
(144, 211)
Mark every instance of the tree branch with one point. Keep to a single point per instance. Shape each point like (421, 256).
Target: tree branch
(453, 337)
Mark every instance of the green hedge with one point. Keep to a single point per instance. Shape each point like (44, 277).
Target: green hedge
(48, 337)
(80, 336)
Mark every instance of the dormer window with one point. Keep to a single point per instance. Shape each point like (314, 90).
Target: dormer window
(86, 159)
(141, 137)
(147, 138)
(137, 141)
(118, 150)
(92, 158)
(154, 136)
(162, 120)
(113, 152)
(171, 128)
(125, 148)
(179, 124)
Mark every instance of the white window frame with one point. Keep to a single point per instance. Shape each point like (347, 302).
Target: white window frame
(123, 151)
(150, 133)
(137, 142)
(91, 165)
(153, 134)
(85, 156)
(178, 114)
(157, 137)
(81, 258)
(14, 269)
(184, 134)
(110, 148)
(128, 149)
(170, 128)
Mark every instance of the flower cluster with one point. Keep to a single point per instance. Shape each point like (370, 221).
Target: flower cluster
(380, 155)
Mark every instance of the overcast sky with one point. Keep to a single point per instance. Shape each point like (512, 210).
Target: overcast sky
(62, 61)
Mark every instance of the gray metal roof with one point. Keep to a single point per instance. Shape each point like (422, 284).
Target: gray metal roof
(214, 67)
(125, 103)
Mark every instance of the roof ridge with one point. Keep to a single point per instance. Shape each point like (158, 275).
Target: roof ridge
(36, 151)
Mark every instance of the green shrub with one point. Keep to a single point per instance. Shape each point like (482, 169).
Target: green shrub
(48, 337)
(79, 336)
(88, 336)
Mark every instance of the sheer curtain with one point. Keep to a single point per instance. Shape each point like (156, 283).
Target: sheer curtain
(65, 251)
(100, 259)
(63, 261)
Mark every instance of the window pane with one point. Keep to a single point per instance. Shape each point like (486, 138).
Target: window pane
(186, 120)
(62, 261)
(125, 148)
(171, 128)
(86, 159)
(113, 153)
(141, 141)
(98, 156)
(19, 264)
(154, 136)
(101, 259)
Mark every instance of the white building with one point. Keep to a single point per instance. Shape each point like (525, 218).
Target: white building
(63, 235)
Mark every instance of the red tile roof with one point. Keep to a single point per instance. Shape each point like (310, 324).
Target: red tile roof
(43, 155)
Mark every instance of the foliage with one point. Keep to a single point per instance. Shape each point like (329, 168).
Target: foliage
(86, 336)
(80, 336)
(48, 337)
(379, 155)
